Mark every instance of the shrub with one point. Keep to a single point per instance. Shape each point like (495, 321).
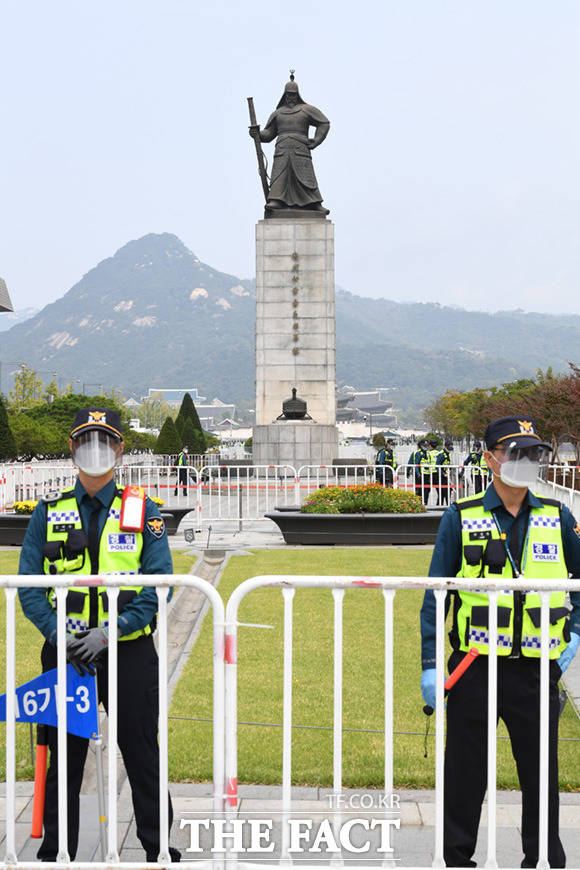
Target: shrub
(168, 442)
(366, 498)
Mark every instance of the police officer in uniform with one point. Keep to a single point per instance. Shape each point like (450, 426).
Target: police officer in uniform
(434, 452)
(387, 462)
(443, 462)
(477, 461)
(421, 471)
(80, 532)
(506, 532)
(182, 462)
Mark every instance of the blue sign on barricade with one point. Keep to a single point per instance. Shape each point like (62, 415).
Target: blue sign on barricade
(36, 702)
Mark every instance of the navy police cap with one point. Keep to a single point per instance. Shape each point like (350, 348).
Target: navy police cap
(519, 431)
(100, 419)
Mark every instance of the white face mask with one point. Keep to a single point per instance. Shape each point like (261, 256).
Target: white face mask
(95, 453)
(519, 472)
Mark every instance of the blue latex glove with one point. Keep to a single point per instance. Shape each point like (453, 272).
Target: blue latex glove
(428, 686)
(569, 652)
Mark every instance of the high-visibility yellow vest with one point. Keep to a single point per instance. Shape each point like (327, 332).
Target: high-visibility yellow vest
(433, 455)
(425, 463)
(542, 558)
(119, 553)
(478, 463)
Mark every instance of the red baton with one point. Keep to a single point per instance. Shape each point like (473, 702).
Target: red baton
(458, 672)
(465, 662)
(39, 781)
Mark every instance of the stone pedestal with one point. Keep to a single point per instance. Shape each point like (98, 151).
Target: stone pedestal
(295, 443)
(295, 338)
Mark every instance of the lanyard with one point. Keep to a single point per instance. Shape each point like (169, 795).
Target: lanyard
(503, 536)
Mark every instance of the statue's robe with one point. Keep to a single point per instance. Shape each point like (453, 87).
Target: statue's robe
(292, 180)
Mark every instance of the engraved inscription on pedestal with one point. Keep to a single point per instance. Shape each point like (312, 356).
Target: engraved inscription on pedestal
(295, 317)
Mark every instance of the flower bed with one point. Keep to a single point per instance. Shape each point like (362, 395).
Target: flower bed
(367, 514)
(369, 498)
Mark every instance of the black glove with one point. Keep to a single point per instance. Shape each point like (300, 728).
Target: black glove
(87, 646)
(73, 656)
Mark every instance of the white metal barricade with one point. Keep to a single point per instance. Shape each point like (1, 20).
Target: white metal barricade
(388, 585)
(212, 493)
(112, 583)
(32, 482)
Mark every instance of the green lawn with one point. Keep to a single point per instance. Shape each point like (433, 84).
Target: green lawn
(260, 680)
(260, 665)
(28, 645)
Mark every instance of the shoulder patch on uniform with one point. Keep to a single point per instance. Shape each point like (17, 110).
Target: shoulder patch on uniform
(156, 526)
(577, 529)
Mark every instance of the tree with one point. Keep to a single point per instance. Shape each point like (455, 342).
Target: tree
(168, 442)
(50, 392)
(7, 442)
(53, 423)
(27, 389)
(153, 411)
(378, 440)
(553, 401)
(41, 438)
(192, 438)
(187, 412)
(138, 441)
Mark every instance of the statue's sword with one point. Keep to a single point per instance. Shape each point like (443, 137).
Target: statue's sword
(255, 132)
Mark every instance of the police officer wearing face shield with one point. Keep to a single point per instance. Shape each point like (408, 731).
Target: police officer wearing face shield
(85, 531)
(508, 531)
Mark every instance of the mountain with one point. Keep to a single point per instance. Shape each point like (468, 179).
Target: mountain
(154, 315)
(7, 321)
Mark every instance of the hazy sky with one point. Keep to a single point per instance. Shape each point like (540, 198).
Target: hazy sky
(451, 167)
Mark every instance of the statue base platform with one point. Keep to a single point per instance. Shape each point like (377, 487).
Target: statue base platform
(284, 214)
(295, 443)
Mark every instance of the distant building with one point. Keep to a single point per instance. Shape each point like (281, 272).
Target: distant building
(212, 414)
(174, 396)
(230, 432)
(132, 403)
(5, 301)
(356, 406)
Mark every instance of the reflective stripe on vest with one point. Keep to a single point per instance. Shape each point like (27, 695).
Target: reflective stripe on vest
(543, 558)
(119, 553)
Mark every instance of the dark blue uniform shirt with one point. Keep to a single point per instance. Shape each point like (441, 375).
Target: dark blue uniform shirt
(446, 560)
(155, 559)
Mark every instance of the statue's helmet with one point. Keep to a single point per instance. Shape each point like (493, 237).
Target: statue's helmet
(290, 88)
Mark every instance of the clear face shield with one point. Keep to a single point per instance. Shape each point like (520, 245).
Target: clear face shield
(95, 452)
(520, 466)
